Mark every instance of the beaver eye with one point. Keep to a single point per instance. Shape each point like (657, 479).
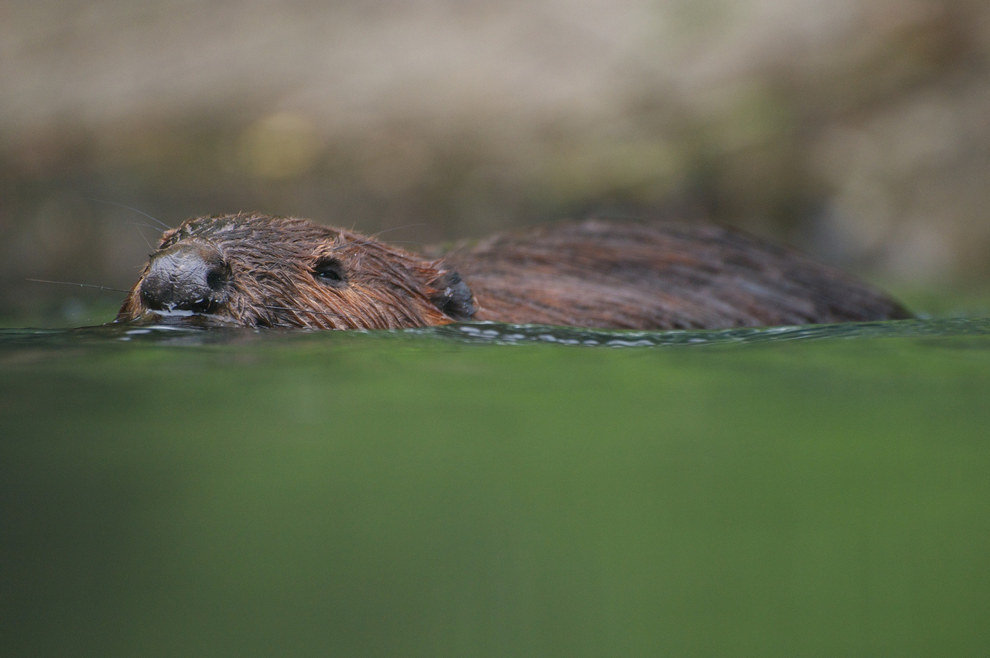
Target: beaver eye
(329, 271)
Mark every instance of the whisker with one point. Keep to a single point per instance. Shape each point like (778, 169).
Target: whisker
(143, 236)
(80, 285)
(160, 223)
(143, 225)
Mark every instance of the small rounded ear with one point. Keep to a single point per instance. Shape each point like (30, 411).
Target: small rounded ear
(452, 296)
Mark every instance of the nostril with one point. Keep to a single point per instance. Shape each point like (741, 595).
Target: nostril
(216, 278)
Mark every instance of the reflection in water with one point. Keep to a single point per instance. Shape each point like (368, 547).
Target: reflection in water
(511, 334)
(505, 334)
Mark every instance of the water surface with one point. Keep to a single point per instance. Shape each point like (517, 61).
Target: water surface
(496, 490)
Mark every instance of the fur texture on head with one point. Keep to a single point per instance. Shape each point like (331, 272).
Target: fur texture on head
(254, 270)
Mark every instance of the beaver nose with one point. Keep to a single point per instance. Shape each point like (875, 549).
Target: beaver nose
(189, 276)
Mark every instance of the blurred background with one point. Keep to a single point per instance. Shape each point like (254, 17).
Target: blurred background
(855, 131)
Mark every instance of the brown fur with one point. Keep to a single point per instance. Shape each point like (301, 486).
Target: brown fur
(254, 270)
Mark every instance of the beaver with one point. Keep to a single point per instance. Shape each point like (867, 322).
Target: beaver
(260, 271)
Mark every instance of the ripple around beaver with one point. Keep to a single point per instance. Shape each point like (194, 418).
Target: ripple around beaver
(486, 333)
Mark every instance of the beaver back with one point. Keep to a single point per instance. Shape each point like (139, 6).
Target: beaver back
(657, 276)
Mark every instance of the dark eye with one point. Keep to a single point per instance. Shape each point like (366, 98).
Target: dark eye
(329, 271)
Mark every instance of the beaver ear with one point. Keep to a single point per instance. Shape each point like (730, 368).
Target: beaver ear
(452, 296)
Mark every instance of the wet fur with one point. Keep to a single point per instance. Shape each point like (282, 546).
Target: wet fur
(587, 274)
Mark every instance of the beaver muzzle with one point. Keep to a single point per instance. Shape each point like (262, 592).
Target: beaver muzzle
(189, 276)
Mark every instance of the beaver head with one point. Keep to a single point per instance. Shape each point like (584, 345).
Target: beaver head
(254, 270)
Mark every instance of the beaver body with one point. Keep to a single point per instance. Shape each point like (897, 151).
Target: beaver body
(254, 270)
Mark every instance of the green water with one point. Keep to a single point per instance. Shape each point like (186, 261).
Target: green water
(496, 491)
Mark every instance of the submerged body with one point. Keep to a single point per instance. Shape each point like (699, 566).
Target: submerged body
(255, 270)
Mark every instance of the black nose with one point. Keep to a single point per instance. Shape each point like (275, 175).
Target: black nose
(189, 276)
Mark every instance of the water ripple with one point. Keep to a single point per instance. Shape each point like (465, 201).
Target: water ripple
(509, 334)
